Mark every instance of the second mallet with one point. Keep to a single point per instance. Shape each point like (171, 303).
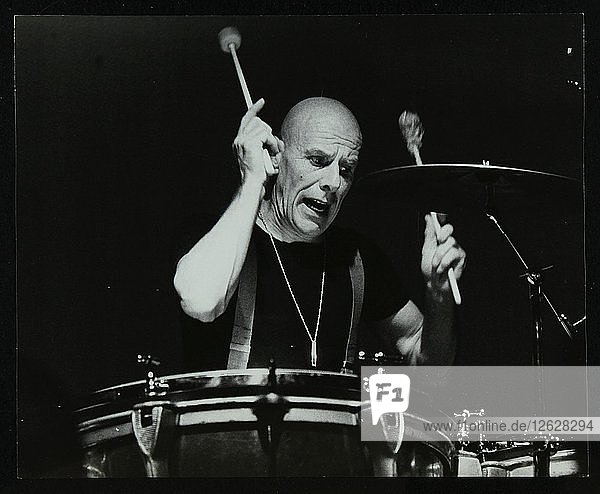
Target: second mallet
(230, 40)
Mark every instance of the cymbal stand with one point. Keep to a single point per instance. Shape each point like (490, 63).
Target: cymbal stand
(534, 278)
(541, 454)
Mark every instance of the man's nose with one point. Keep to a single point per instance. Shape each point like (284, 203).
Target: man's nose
(331, 180)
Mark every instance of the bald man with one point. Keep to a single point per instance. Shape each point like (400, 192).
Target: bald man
(273, 279)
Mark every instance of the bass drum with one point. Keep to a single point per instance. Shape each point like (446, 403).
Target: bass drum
(238, 423)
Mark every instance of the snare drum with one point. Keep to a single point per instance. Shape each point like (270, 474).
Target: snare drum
(231, 423)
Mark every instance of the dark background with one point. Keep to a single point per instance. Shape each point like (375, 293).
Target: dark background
(124, 128)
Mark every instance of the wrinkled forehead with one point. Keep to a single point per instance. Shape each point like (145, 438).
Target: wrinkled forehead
(331, 128)
(325, 130)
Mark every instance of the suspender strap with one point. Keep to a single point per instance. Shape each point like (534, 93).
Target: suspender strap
(357, 278)
(239, 349)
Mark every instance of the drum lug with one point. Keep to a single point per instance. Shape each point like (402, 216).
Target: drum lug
(154, 427)
(270, 410)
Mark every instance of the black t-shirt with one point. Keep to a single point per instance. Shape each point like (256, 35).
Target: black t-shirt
(278, 331)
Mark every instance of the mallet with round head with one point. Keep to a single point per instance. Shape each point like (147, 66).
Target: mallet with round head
(412, 131)
(230, 40)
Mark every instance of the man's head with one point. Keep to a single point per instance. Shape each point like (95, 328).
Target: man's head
(322, 141)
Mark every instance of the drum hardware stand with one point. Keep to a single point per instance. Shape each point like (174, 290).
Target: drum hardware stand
(463, 434)
(154, 422)
(270, 410)
(541, 453)
(467, 462)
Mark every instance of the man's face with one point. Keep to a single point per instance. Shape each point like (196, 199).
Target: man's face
(316, 173)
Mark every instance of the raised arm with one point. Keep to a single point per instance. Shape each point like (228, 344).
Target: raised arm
(207, 276)
(429, 339)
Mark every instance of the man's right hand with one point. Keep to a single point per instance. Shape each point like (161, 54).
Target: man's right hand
(252, 138)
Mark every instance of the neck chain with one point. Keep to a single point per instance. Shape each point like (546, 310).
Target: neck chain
(313, 340)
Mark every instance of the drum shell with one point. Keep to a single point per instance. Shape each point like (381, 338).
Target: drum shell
(231, 449)
(215, 431)
(566, 462)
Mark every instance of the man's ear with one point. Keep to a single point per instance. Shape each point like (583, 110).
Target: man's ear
(269, 184)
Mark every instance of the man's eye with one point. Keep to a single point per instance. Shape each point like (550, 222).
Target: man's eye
(346, 171)
(317, 160)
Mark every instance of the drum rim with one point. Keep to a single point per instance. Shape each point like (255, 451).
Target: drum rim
(519, 460)
(229, 372)
(220, 382)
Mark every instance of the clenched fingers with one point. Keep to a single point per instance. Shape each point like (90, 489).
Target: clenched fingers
(441, 251)
(455, 258)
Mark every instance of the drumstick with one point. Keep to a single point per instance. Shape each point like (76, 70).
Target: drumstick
(230, 40)
(451, 275)
(412, 131)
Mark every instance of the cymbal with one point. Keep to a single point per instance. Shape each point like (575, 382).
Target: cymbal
(451, 185)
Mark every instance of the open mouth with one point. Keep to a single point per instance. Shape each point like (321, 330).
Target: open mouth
(319, 207)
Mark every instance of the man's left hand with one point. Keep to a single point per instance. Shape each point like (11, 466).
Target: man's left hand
(440, 252)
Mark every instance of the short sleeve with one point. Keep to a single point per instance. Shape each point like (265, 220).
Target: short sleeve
(205, 345)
